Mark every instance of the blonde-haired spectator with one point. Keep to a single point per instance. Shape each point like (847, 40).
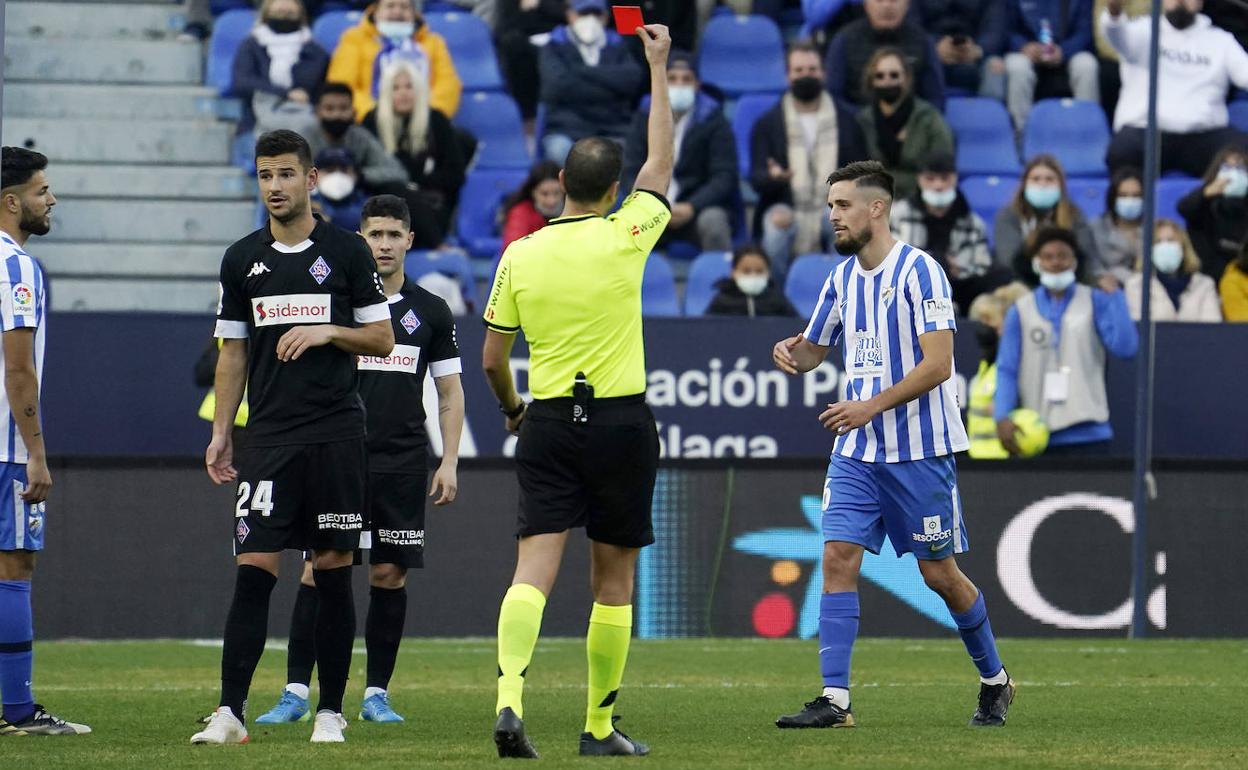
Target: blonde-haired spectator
(1180, 292)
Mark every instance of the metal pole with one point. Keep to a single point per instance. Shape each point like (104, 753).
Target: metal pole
(2, 10)
(1144, 486)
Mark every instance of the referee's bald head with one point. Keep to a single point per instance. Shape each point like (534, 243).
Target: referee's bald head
(592, 168)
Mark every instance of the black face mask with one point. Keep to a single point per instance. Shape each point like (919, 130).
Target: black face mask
(283, 26)
(988, 339)
(336, 127)
(1180, 18)
(806, 89)
(888, 94)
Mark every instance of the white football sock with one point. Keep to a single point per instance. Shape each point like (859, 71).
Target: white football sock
(838, 695)
(298, 689)
(371, 691)
(1000, 678)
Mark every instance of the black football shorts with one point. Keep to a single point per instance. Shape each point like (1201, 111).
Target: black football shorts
(396, 507)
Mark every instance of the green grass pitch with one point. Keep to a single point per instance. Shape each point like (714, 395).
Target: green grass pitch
(699, 703)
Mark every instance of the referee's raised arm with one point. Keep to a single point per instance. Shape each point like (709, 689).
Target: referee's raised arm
(656, 173)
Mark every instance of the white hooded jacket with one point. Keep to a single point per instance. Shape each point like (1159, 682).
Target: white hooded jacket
(1195, 71)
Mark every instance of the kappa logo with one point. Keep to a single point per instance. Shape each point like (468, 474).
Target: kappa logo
(258, 268)
(410, 322)
(320, 270)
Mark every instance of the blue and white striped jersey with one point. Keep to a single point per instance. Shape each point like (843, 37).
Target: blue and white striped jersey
(881, 314)
(22, 306)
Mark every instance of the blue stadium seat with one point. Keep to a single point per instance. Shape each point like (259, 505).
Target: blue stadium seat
(805, 280)
(984, 136)
(1089, 195)
(704, 272)
(220, 7)
(330, 25)
(1169, 191)
(749, 109)
(1073, 131)
(471, 47)
(494, 120)
(743, 54)
(451, 263)
(986, 194)
(477, 220)
(1239, 113)
(658, 289)
(228, 33)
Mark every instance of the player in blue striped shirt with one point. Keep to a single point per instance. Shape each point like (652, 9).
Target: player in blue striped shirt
(892, 470)
(26, 203)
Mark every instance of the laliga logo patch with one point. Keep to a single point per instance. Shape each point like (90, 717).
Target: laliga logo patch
(410, 322)
(242, 530)
(319, 270)
(23, 300)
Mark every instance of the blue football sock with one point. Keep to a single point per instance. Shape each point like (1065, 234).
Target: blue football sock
(976, 634)
(838, 627)
(17, 655)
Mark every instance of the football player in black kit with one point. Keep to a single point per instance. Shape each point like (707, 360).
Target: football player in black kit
(392, 387)
(300, 299)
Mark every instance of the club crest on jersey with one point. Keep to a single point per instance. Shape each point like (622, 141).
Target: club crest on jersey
(410, 322)
(319, 270)
(258, 268)
(242, 530)
(886, 295)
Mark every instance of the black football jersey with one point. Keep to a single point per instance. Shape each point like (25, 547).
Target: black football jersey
(267, 288)
(393, 386)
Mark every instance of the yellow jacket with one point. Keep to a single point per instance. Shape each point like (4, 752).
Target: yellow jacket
(979, 422)
(357, 50)
(1234, 291)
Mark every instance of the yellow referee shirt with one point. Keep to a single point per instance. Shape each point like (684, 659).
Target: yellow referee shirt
(574, 288)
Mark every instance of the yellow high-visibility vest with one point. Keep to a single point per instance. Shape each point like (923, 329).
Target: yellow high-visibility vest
(980, 423)
(208, 409)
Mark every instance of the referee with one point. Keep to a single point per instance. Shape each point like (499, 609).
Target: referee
(588, 448)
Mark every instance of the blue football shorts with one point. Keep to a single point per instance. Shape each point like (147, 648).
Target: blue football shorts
(916, 503)
(21, 524)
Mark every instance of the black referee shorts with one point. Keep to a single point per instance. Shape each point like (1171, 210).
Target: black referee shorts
(599, 475)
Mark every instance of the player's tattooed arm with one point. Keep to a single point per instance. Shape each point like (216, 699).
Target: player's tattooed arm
(21, 385)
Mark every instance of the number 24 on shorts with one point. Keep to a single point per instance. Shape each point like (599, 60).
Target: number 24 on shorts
(261, 502)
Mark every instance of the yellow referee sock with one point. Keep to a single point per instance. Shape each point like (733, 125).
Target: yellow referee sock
(519, 621)
(606, 645)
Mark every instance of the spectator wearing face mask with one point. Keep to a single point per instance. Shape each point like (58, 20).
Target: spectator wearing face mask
(885, 24)
(988, 312)
(424, 141)
(395, 29)
(1233, 288)
(589, 81)
(1198, 64)
(792, 146)
(379, 170)
(1117, 231)
(1041, 200)
(1053, 351)
(1180, 292)
(536, 202)
(937, 219)
(279, 66)
(1217, 211)
(338, 193)
(900, 129)
(704, 182)
(750, 290)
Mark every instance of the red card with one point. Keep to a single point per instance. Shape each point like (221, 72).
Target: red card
(627, 19)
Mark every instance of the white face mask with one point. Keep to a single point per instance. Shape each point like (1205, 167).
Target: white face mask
(336, 185)
(1129, 209)
(1053, 281)
(396, 30)
(1167, 256)
(682, 97)
(940, 199)
(1237, 181)
(588, 30)
(753, 284)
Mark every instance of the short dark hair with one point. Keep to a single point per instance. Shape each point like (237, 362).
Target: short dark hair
(800, 46)
(864, 173)
(748, 250)
(18, 165)
(333, 87)
(593, 165)
(391, 206)
(283, 141)
(1048, 234)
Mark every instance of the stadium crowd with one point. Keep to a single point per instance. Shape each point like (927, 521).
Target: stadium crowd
(994, 117)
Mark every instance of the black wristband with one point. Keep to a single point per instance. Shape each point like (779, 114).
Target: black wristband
(514, 413)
